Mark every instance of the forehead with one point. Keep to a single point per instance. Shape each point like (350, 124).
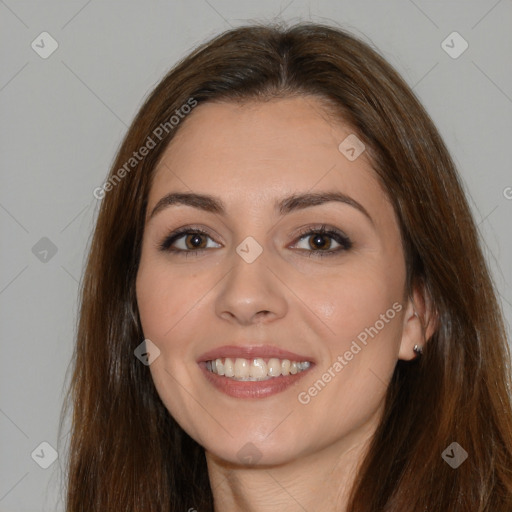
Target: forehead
(254, 152)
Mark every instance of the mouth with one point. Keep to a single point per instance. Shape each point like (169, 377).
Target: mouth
(253, 372)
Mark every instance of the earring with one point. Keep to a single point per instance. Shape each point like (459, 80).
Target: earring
(418, 350)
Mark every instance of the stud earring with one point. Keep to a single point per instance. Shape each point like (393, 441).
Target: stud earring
(418, 350)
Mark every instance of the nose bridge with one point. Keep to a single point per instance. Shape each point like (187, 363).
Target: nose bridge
(250, 290)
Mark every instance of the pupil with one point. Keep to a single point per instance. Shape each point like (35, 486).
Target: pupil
(320, 242)
(195, 240)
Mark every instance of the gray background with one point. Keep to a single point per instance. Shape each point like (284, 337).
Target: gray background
(63, 117)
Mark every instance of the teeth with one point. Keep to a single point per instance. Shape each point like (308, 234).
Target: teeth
(255, 369)
(241, 368)
(274, 367)
(229, 367)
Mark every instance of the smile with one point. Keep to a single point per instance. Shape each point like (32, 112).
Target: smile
(256, 369)
(253, 371)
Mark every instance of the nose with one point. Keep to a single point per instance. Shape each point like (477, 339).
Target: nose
(251, 294)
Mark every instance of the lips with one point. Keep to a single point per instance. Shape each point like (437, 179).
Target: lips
(251, 352)
(252, 388)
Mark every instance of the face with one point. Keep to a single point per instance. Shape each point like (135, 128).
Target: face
(272, 282)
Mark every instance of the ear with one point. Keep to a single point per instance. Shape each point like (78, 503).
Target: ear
(419, 323)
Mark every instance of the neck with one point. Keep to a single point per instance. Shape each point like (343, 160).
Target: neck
(317, 481)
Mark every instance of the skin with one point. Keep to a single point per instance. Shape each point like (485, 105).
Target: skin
(250, 156)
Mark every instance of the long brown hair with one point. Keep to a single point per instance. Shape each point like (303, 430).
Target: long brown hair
(126, 451)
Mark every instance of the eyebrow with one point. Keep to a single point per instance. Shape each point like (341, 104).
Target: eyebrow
(287, 205)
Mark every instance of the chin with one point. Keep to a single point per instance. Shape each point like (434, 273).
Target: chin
(248, 451)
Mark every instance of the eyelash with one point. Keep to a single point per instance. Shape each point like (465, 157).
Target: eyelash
(337, 236)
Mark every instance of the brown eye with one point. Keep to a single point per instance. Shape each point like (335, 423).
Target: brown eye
(195, 241)
(188, 241)
(323, 242)
(320, 242)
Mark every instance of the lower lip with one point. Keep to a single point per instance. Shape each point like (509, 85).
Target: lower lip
(252, 389)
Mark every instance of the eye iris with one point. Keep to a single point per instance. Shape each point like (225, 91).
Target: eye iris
(319, 241)
(196, 240)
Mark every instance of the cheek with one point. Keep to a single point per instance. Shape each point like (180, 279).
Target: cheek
(363, 312)
(166, 308)
(159, 304)
(362, 307)
(353, 302)
(172, 305)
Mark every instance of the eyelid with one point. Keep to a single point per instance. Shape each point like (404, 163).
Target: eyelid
(324, 229)
(320, 228)
(332, 232)
(165, 244)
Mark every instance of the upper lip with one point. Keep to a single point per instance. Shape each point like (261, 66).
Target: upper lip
(251, 352)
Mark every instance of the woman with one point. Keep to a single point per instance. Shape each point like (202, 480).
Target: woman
(285, 302)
